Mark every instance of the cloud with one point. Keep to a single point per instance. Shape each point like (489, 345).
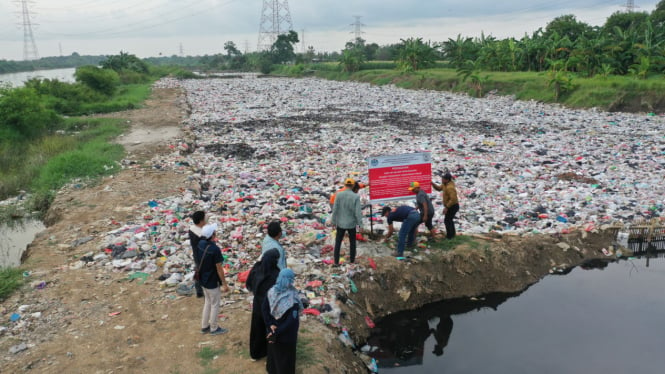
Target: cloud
(149, 26)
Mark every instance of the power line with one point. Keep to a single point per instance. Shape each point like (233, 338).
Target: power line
(128, 30)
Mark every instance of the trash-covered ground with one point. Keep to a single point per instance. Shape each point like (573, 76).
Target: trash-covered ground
(263, 149)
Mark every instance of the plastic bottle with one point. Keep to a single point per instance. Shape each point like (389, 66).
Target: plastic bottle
(373, 367)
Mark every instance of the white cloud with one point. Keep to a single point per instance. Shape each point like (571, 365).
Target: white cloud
(150, 27)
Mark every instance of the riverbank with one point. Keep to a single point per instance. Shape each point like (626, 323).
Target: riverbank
(87, 316)
(610, 93)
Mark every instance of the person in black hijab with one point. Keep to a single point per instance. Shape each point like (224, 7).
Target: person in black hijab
(259, 282)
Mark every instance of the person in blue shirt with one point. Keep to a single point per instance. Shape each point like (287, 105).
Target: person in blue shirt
(271, 241)
(281, 313)
(410, 218)
(211, 278)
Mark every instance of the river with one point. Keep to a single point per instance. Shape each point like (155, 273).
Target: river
(14, 241)
(604, 318)
(17, 79)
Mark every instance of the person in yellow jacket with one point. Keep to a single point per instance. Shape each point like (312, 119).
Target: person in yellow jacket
(450, 202)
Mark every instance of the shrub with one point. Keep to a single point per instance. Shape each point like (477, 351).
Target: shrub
(10, 280)
(22, 112)
(64, 98)
(132, 77)
(185, 74)
(101, 80)
(125, 61)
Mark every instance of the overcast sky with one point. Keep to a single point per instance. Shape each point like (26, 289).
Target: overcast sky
(152, 27)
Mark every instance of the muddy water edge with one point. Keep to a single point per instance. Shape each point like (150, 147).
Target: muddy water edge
(15, 238)
(506, 265)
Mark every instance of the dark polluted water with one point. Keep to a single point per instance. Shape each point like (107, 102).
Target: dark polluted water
(600, 318)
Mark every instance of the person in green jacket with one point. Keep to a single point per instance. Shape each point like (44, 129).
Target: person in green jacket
(346, 216)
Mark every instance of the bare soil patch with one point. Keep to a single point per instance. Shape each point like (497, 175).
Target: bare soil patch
(97, 321)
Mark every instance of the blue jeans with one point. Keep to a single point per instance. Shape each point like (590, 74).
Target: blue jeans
(408, 231)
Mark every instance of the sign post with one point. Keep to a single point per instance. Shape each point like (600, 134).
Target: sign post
(391, 175)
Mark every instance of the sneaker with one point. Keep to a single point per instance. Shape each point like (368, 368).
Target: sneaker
(219, 331)
(205, 330)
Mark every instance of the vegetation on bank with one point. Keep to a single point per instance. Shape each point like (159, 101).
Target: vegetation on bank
(618, 66)
(10, 280)
(79, 148)
(613, 93)
(42, 148)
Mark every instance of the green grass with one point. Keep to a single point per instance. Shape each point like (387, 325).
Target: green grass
(128, 97)
(207, 354)
(10, 280)
(48, 163)
(305, 355)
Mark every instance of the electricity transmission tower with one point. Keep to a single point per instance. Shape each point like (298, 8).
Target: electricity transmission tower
(357, 31)
(29, 46)
(275, 20)
(630, 6)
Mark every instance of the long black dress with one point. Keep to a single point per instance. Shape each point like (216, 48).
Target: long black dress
(259, 283)
(282, 353)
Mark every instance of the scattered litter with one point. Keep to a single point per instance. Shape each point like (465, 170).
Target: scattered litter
(277, 149)
(18, 348)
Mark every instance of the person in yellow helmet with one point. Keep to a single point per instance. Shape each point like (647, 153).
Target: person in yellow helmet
(356, 187)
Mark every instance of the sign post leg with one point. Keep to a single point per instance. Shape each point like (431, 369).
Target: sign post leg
(371, 222)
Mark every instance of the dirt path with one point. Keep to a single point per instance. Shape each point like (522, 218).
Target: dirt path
(97, 321)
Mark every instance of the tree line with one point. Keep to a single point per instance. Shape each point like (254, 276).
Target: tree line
(45, 63)
(628, 43)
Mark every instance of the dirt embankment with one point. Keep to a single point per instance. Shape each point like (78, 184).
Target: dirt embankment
(506, 265)
(97, 321)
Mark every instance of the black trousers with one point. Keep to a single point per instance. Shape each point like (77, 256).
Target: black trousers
(448, 221)
(352, 243)
(281, 358)
(197, 285)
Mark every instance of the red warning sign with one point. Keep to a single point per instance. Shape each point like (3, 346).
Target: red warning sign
(390, 176)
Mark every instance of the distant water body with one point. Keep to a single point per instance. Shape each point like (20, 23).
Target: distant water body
(18, 79)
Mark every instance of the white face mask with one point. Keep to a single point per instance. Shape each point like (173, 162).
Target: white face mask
(283, 234)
